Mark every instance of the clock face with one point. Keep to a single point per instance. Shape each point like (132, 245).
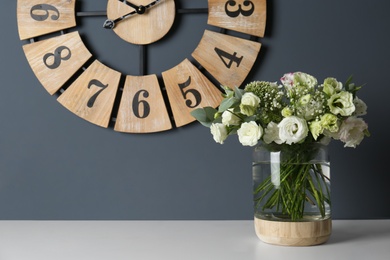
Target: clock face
(139, 103)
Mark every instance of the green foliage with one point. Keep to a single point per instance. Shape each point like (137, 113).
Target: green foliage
(351, 87)
(205, 115)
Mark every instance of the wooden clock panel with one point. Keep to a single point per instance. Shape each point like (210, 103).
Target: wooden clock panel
(55, 60)
(229, 59)
(92, 95)
(188, 89)
(39, 17)
(142, 29)
(144, 104)
(241, 15)
(142, 108)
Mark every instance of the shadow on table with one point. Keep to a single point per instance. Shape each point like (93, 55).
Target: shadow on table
(352, 232)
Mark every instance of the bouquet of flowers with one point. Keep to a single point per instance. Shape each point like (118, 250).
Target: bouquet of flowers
(291, 115)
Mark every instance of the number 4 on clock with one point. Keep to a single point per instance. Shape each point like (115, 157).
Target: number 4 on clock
(223, 55)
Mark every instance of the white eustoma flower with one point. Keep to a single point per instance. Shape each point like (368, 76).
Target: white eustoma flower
(332, 86)
(229, 118)
(293, 129)
(271, 134)
(304, 79)
(298, 82)
(219, 132)
(249, 133)
(249, 103)
(361, 107)
(352, 131)
(341, 103)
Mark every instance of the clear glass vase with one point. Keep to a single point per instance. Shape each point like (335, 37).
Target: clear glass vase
(291, 189)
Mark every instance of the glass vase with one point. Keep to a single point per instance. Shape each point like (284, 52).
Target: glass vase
(291, 185)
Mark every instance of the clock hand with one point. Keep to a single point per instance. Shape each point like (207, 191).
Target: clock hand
(139, 9)
(142, 8)
(153, 3)
(110, 24)
(129, 4)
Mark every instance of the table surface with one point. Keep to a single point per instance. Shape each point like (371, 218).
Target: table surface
(181, 240)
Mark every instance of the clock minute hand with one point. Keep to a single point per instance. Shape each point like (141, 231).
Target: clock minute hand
(153, 3)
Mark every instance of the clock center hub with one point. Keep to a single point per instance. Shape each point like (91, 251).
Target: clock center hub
(148, 22)
(141, 9)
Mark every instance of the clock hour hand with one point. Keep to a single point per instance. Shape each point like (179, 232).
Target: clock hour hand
(110, 24)
(129, 4)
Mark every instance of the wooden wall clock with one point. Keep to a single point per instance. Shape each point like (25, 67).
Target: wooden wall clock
(90, 89)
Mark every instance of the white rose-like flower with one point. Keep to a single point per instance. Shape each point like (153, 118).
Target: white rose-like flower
(219, 132)
(249, 103)
(228, 118)
(271, 134)
(249, 133)
(293, 129)
(352, 131)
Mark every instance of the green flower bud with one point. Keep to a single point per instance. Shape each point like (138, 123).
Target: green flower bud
(330, 122)
(247, 110)
(286, 112)
(316, 129)
(305, 99)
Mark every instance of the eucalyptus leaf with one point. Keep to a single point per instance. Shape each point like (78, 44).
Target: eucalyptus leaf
(205, 115)
(228, 92)
(226, 104)
(249, 119)
(239, 92)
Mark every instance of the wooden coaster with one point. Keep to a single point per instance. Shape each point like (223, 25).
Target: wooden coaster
(293, 233)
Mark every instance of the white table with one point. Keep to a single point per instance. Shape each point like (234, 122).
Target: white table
(181, 240)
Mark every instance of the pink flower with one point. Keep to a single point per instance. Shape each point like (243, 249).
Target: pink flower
(288, 80)
(352, 131)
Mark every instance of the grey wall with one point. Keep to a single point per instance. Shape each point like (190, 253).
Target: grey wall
(54, 165)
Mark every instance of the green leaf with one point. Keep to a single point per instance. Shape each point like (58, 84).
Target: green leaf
(367, 133)
(204, 115)
(232, 99)
(239, 92)
(228, 92)
(249, 119)
(351, 87)
(228, 103)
